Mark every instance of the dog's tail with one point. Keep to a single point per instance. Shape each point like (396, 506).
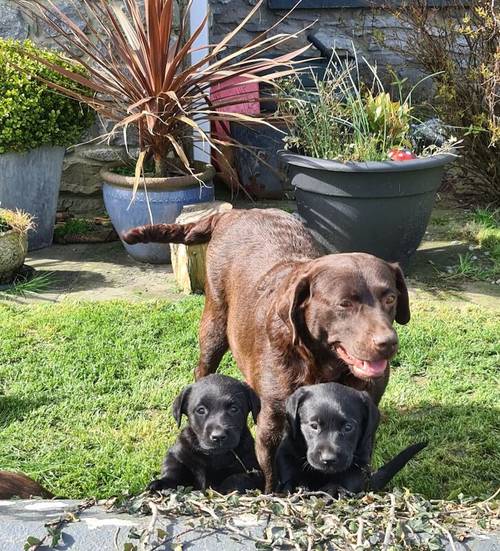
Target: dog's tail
(383, 476)
(193, 233)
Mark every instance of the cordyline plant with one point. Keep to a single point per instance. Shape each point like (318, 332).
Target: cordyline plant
(138, 71)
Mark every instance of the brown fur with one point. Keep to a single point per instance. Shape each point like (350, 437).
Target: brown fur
(274, 300)
(21, 486)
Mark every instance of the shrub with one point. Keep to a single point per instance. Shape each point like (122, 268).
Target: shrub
(462, 45)
(31, 114)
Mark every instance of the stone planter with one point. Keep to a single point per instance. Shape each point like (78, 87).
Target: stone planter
(13, 249)
(381, 208)
(30, 181)
(165, 197)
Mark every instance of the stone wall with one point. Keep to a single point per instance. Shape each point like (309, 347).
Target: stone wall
(373, 32)
(81, 187)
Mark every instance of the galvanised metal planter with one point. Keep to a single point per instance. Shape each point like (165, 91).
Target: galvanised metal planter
(30, 181)
(381, 208)
(166, 197)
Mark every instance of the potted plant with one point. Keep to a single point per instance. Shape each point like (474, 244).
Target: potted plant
(362, 182)
(36, 125)
(140, 75)
(14, 226)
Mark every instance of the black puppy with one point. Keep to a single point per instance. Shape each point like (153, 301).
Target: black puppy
(328, 442)
(216, 449)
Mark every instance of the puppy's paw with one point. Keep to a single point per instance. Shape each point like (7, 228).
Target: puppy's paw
(156, 485)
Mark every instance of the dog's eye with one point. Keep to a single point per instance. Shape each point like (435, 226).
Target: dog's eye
(390, 299)
(233, 409)
(314, 426)
(347, 427)
(201, 410)
(345, 303)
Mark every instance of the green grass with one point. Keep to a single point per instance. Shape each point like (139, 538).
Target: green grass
(481, 230)
(86, 391)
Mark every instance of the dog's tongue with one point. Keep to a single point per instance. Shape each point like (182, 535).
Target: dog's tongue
(374, 368)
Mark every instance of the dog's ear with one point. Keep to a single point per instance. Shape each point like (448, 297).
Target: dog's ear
(293, 404)
(371, 419)
(179, 407)
(298, 292)
(403, 305)
(253, 401)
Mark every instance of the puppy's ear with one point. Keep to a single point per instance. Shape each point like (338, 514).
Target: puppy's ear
(253, 401)
(372, 417)
(289, 306)
(403, 305)
(293, 404)
(179, 407)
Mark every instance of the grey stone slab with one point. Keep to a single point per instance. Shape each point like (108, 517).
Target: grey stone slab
(100, 530)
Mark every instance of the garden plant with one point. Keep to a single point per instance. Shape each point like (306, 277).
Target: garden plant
(140, 74)
(36, 125)
(365, 179)
(462, 50)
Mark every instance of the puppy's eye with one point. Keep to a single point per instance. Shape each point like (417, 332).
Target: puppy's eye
(345, 303)
(347, 427)
(234, 408)
(390, 299)
(201, 410)
(314, 426)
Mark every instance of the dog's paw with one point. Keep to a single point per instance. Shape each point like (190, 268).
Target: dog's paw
(156, 486)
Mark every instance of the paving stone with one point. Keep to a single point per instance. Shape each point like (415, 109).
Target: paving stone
(99, 530)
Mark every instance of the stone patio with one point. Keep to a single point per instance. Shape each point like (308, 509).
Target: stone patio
(106, 271)
(98, 530)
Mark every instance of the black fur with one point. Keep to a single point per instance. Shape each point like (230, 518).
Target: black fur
(216, 449)
(328, 442)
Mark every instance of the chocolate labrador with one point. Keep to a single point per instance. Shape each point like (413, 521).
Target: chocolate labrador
(21, 486)
(328, 441)
(216, 448)
(291, 316)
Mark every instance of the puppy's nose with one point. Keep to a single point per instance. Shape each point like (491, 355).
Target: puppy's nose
(385, 341)
(328, 459)
(218, 436)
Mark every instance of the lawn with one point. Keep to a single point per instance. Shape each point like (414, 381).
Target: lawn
(86, 390)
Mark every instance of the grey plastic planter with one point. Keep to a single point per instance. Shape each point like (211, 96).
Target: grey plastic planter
(30, 181)
(381, 208)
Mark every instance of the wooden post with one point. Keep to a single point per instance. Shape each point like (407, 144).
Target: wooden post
(188, 261)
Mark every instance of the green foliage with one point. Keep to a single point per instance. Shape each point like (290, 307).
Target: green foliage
(31, 114)
(74, 226)
(342, 118)
(462, 50)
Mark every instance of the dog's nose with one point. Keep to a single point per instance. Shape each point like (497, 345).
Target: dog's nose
(385, 341)
(328, 459)
(218, 436)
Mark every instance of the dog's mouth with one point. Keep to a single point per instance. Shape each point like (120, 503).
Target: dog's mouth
(363, 369)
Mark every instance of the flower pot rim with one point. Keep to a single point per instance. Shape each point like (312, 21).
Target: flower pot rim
(367, 166)
(204, 172)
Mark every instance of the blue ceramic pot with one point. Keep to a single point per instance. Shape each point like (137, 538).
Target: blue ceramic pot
(166, 197)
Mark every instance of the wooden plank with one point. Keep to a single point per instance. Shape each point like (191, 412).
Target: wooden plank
(188, 261)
